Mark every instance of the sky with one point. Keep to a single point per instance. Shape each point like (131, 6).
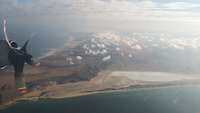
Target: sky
(105, 15)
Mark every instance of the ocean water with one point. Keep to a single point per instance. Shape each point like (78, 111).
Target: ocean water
(184, 99)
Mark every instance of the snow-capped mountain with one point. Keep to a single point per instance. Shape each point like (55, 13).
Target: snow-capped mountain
(133, 51)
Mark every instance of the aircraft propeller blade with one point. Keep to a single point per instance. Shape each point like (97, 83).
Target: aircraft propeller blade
(6, 37)
(24, 48)
(5, 33)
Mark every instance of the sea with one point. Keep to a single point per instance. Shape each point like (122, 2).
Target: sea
(183, 99)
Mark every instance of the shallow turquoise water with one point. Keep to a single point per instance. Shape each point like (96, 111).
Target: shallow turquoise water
(161, 100)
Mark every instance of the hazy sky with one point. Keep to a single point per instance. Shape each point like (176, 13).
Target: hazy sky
(103, 15)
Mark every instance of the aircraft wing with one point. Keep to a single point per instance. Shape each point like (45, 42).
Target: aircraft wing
(4, 50)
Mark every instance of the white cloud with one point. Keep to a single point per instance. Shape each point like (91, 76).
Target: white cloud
(101, 8)
(98, 12)
(181, 6)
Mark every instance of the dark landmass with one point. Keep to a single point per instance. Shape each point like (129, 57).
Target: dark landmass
(85, 66)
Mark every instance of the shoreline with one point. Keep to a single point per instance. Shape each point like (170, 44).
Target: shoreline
(80, 94)
(110, 90)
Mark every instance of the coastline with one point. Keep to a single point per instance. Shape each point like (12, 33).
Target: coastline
(103, 83)
(125, 89)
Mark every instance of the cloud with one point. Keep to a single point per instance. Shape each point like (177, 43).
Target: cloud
(181, 6)
(99, 12)
(124, 9)
(100, 8)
